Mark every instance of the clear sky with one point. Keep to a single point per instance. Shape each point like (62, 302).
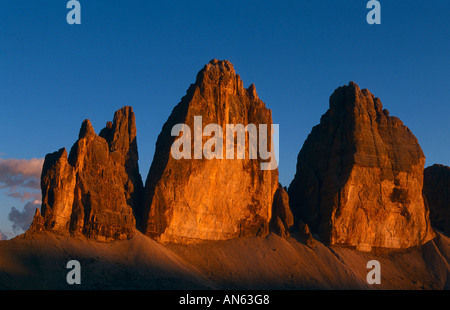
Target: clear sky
(146, 53)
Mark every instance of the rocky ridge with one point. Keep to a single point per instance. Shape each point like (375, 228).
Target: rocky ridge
(358, 181)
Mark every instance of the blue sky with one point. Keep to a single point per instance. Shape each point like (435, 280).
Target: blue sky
(147, 53)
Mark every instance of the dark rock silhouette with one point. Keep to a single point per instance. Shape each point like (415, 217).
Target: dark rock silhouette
(282, 218)
(436, 188)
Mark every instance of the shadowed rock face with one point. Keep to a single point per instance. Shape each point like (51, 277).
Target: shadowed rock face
(436, 188)
(282, 218)
(359, 177)
(210, 199)
(94, 190)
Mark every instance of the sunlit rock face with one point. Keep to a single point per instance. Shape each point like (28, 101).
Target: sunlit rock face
(188, 200)
(359, 177)
(94, 190)
(436, 188)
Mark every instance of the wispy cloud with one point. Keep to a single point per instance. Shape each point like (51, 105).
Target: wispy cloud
(21, 220)
(21, 177)
(24, 195)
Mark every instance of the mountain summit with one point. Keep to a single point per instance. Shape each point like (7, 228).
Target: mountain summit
(94, 190)
(360, 175)
(188, 200)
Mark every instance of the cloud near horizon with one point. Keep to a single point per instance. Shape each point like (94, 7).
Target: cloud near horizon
(22, 219)
(3, 236)
(21, 177)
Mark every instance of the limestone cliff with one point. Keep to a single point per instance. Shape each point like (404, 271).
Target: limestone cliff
(196, 198)
(93, 190)
(359, 177)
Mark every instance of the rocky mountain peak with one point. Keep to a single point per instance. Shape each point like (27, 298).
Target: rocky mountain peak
(359, 176)
(86, 130)
(95, 190)
(188, 200)
(221, 76)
